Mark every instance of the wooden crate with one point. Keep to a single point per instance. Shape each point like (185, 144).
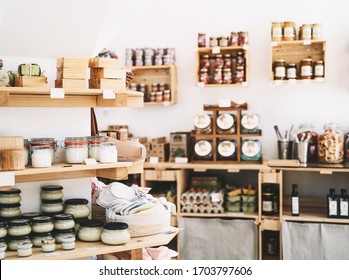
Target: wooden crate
(11, 160)
(71, 83)
(11, 143)
(159, 140)
(67, 62)
(71, 73)
(30, 81)
(116, 84)
(105, 63)
(107, 73)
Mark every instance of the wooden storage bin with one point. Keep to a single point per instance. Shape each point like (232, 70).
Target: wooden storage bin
(107, 73)
(116, 84)
(67, 62)
(70, 83)
(105, 63)
(71, 73)
(30, 81)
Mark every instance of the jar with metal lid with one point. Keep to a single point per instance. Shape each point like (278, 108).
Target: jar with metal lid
(154, 87)
(149, 52)
(240, 58)
(240, 74)
(226, 124)
(319, 69)
(234, 38)
(76, 149)
(204, 61)
(3, 242)
(24, 249)
(227, 60)
(139, 60)
(158, 60)
(302, 132)
(305, 32)
(202, 40)
(78, 222)
(60, 234)
(51, 192)
(243, 38)
(270, 204)
(115, 233)
(306, 68)
(12, 241)
(63, 221)
(90, 230)
(276, 31)
(51, 206)
(227, 77)
(36, 238)
(109, 152)
(291, 72)
(279, 69)
(10, 210)
(48, 245)
(250, 124)
(95, 146)
(203, 124)
(331, 144)
(30, 215)
(159, 96)
(167, 95)
(226, 150)
(251, 150)
(68, 242)
(213, 41)
(19, 227)
(218, 77)
(153, 97)
(78, 207)
(26, 151)
(50, 143)
(203, 150)
(162, 87)
(219, 62)
(168, 60)
(289, 31)
(204, 76)
(3, 229)
(223, 41)
(10, 196)
(2, 252)
(42, 224)
(316, 31)
(41, 156)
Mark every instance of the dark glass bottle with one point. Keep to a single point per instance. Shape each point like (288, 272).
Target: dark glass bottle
(343, 204)
(332, 204)
(295, 200)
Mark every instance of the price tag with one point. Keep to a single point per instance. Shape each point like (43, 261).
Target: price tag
(244, 84)
(274, 44)
(216, 50)
(292, 81)
(324, 172)
(57, 93)
(181, 160)
(90, 161)
(89, 249)
(52, 254)
(224, 103)
(306, 42)
(215, 197)
(108, 94)
(7, 178)
(245, 47)
(153, 160)
(166, 103)
(201, 84)
(278, 82)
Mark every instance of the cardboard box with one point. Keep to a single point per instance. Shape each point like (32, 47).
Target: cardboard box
(180, 145)
(71, 83)
(107, 73)
(71, 73)
(115, 84)
(105, 63)
(30, 81)
(158, 140)
(67, 62)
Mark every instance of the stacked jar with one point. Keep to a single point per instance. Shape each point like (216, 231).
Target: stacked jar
(64, 226)
(150, 56)
(51, 199)
(76, 149)
(10, 204)
(226, 149)
(42, 228)
(18, 231)
(94, 150)
(90, 230)
(251, 150)
(43, 151)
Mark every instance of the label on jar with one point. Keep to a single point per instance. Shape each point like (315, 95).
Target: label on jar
(267, 206)
(319, 70)
(277, 32)
(203, 148)
(306, 33)
(344, 210)
(280, 71)
(306, 70)
(295, 205)
(250, 148)
(291, 73)
(202, 121)
(250, 121)
(225, 121)
(317, 32)
(288, 32)
(226, 148)
(332, 208)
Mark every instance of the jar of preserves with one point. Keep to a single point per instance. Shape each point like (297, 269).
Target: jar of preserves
(240, 59)
(227, 60)
(154, 87)
(167, 60)
(78, 207)
(205, 61)
(10, 196)
(204, 76)
(115, 233)
(203, 150)
(49, 143)
(42, 224)
(159, 97)
(289, 31)
(316, 31)
(12, 241)
(26, 152)
(218, 77)
(219, 62)
(51, 207)
(226, 150)
(41, 156)
(276, 31)
(167, 95)
(153, 97)
(223, 41)
(234, 39)
(90, 230)
(203, 124)
(226, 124)
(291, 72)
(160, 51)
(303, 130)
(51, 192)
(139, 52)
(270, 197)
(36, 238)
(148, 60)
(227, 77)
(279, 69)
(10, 210)
(19, 227)
(202, 40)
(318, 69)
(109, 152)
(251, 150)
(76, 149)
(94, 146)
(139, 60)
(306, 68)
(63, 221)
(331, 144)
(243, 38)
(240, 74)
(305, 33)
(213, 41)
(158, 60)
(61, 234)
(250, 124)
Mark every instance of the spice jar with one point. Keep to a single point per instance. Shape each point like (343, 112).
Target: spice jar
(213, 41)
(51, 207)
(76, 149)
(234, 39)
(10, 196)
(291, 71)
(51, 192)
(226, 123)
(19, 227)
(223, 41)
(203, 124)
(316, 31)
(95, 146)
(63, 221)
(115, 233)
(26, 152)
(10, 210)
(251, 150)
(205, 61)
(250, 124)
(203, 150)
(276, 31)
(48, 245)
(44, 142)
(109, 153)
(24, 249)
(306, 68)
(318, 69)
(68, 242)
(305, 32)
(202, 40)
(289, 31)
(36, 238)
(279, 69)
(331, 144)
(218, 78)
(302, 132)
(226, 150)
(77, 207)
(227, 77)
(167, 95)
(3, 230)
(204, 76)
(41, 156)
(61, 234)
(13, 241)
(42, 224)
(90, 230)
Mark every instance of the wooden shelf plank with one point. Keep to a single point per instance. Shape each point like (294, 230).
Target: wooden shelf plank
(86, 249)
(225, 85)
(238, 215)
(230, 48)
(313, 217)
(297, 42)
(135, 68)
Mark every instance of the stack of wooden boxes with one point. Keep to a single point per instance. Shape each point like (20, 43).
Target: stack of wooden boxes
(11, 153)
(158, 148)
(71, 73)
(107, 73)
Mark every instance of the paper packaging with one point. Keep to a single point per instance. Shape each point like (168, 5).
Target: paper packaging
(180, 145)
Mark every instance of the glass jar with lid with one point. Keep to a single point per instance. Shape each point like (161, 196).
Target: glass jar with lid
(10, 210)
(223, 41)
(227, 60)
(306, 68)
(115, 233)
(226, 123)
(12, 241)
(218, 76)
(289, 31)
(48, 245)
(78, 207)
(204, 76)
(51, 207)
(243, 38)
(226, 150)
(213, 41)
(316, 31)
(204, 61)
(10, 196)
(50, 143)
(276, 31)
(37, 238)
(68, 242)
(61, 234)
(24, 249)
(42, 224)
(319, 69)
(251, 150)
(41, 156)
(234, 38)
(302, 132)
(63, 221)
(219, 62)
(305, 32)
(26, 152)
(291, 72)
(95, 146)
(109, 152)
(3, 229)
(90, 230)
(201, 40)
(76, 149)
(51, 192)
(203, 124)
(250, 124)
(331, 144)
(227, 77)
(280, 69)
(203, 150)
(19, 227)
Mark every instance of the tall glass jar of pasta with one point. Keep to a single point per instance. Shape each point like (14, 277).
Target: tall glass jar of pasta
(331, 144)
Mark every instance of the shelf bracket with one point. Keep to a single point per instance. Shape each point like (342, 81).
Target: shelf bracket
(4, 96)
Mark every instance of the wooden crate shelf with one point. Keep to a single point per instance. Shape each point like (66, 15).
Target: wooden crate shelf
(239, 215)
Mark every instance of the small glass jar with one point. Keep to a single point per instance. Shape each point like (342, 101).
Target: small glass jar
(213, 41)
(76, 149)
(270, 197)
(152, 97)
(306, 68)
(279, 69)
(243, 38)
(30, 215)
(90, 230)
(250, 124)
(226, 123)
(204, 61)
(63, 221)
(239, 74)
(13, 241)
(42, 224)
(52, 206)
(204, 76)
(95, 146)
(115, 233)
(148, 60)
(203, 124)
(51, 192)
(10, 210)
(50, 143)
(201, 40)
(289, 31)
(234, 38)
(2, 252)
(219, 62)
(227, 60)
(36, 238)
(291, 71)
(227, 77)
(11, 196)
(316, 31)
(203, 150)
(3, 229)
(302, 132)
(159, 96)
(218, 76)
(319, 69)
(162, 87)
(138, 61)
(154, 87)
(139, 52)
(331, 144)
(3, 242)
(60, 234)
(158, 60)
(305, 33)
(19, 227)
(109, 152)
(226, 150)
(48, 245)
(251, 150)
(167, 95)
(24, 249)
(68, 242)
(41, 156)
(26, 152)
(223, 41)
(78, 207)
(276, 31)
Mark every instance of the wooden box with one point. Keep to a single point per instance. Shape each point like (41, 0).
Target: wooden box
(107, 73)
(70, 83)
(12, 160)
(180, 145)
(30, 81)
(67, 62)
(11, 142)
(71, 73)
(105, 63)
(159, 140)
(116, 84)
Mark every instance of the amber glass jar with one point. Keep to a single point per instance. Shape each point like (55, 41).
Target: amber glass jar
(279, 69)
(289, 31)
(276, 31)
(306, 68)
(319, 69)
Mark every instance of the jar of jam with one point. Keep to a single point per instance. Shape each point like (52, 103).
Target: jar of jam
(331, 144)
(223, 41)
(159, 97)
(213, 41)
(203, 124)
(306, 68)
(318, 69)
(291, 71)
(167, 95)
(226, 150)
(234, 39)
(226, 124)
(243, 38)
(227, 60)
(204, 76)
(202, 40)
(302, 132)
(305, 33)
(270, 197)
(203, 150)
(289, 31)
(316, 31)
(205, 61)
(251, 150)
(218, 77)
(219, 62)
(139, 61)
(276, 31)
(279, 69)
(148, 60)
(240, 74)
(162, 87)
(240, 59)
(158, 60)
(227, 77)
(153, 97)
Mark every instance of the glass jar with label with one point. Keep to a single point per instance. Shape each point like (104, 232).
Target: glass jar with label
(305, 33)
(331, 144)
(19, 227)
(78, 207)
(167, 95)
(289, 31)
(95, 146)
(48, 245)
(159, 96)
(226, 124)
(24, 249)
(219, 62)
(234, 39)
(109, 152)
(316, 31)
(306, 68)
(36, 238)
(203, 150)
(68, 242)
(202, 40)
(10, 196)
(291, 71)
(204, 76)
(158, 60)
(61, 234)
(223, 41)
(50, 143)
(213, 41)
(227, 60)
(51, 192)
(279, 69)
(148, 60)
(26, 152)
(270, 197)
(10, 210)
(42, 224)
(243, 38)
(319, 69)
(76, 149)
(203, 124)
(227, 77)
(51, 207)
(205, 61)
(218, 76)
(251, 150)
(41, 156)
(302, 132)
(239, 74)
(276, 31)
(226, 150)
(250, 124)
